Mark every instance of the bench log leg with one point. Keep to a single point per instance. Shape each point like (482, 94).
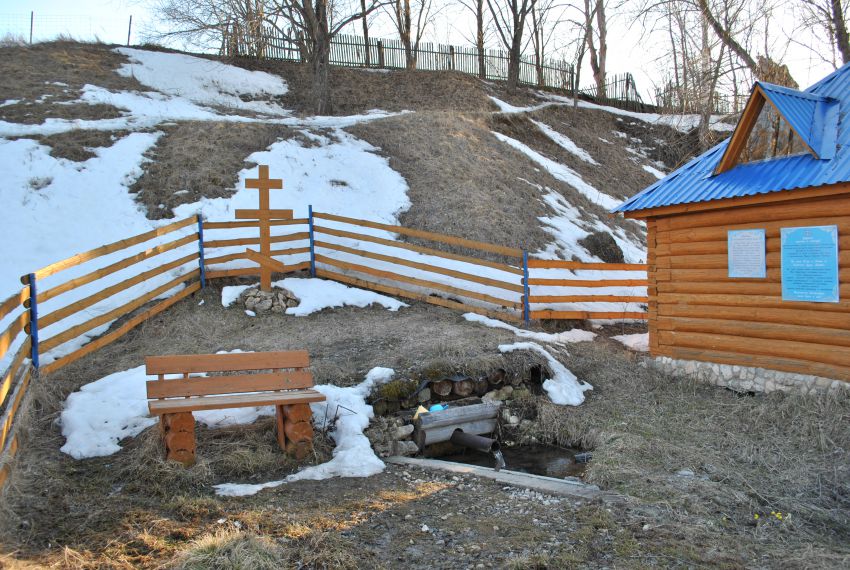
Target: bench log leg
(178, 434)
(298, 428)
(279, 429)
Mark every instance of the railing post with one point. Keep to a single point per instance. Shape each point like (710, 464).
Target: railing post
(201, 251)
(526, 306)
(312, 242)
(33, 321)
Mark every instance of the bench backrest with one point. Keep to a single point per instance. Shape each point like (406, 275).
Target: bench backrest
(287, 373)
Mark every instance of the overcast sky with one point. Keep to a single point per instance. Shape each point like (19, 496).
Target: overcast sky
(108, 19)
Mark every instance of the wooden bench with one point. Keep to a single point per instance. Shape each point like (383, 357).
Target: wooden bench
(287, 386)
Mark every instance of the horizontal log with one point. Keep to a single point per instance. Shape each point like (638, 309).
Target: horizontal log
(75, 331)
(772, 229)
(120, 331)
(8, 336)
(7, 420)
(252, 224)
(263, 214)
(585, 315)
(772, 243)
(241, 255)
(823, 319)
(396, 291)
(766, 301)
(241, 272)
(418, 248)
(452, 240)
(831, 206)
(289, 251)
(112, 268)
(588, 299)
(12, 371)
(834, 355)
(418, 282)
(212, 244)
(14, 300)
(440, 434)
(721, 261)
(516, 287)
(267, 262)
(749, 329)
(588, 283)
(78, 306)
(107, 249)
(460, 414)
(770, 362)
(562, 264)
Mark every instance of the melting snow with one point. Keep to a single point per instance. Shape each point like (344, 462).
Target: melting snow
(654, 171)
(563, 388)
(638, 342)
(574, 335)
(565, 142)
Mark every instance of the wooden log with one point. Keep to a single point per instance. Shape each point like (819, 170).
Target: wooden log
(772, 229)
(109, 248)
(586, 315)
(434, 300)
(464, 387)
(497, 377)
(518, 288)
(180, 422)
(184, 456)
(425, 437)
(48, 294)
(458, 415)
(300, 450)
(67, 311)
(7, 420)
(241, 361)
(757, 330)
(263, 214)
(212, 244)
(77, 330)
(119, 332)
(418, 248)
(13, 301)
(267, 262)
(279, 432)
(298, 431)
(418, 282)
(561, 264)
(252, 224)
(587, 283)
(177, 440)
(12, 371)
(823, 319)
(767, 301)
(8, 336)
(441, 387)
(588, 299)
(222, 273)
(298, 413)
(453, 240)
(482, 386)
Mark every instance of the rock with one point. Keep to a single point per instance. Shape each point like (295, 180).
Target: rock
(603, 246)
(404, 432)
(499, 395)
(424, 395)
(250, 303)
(292, 303)
(513, 420)
(404, 448)
(264, 305)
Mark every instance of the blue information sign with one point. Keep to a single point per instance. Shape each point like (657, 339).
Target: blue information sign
(746, 254)
(810, 264)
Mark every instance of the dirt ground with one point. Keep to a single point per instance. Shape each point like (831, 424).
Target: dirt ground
(694, 465)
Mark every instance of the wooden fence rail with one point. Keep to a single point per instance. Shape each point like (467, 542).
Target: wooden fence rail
(495, 289)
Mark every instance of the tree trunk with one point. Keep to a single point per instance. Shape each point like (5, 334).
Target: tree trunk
(366, 54)
(321, 73)
(479, 39)
(513, 62)
(602, 56)
(842, 40)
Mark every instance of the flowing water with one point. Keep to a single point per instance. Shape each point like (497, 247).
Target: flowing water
(545, 460)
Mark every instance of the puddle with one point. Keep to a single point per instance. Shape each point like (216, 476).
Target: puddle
(545, 460)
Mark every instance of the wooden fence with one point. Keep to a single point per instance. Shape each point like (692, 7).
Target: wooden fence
(461, 282)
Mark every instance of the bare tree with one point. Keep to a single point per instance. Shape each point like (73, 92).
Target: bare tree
(234, 25)
(477, 8)
(596, 38)
(411, 30)
(830, 17)
(509, 18)
(543, 31)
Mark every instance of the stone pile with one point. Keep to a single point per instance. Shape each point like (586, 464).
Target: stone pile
(391, 436)
(275, 301)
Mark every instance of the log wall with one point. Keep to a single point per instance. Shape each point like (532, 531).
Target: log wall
(696, 312)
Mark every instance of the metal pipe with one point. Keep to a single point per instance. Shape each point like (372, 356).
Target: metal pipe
(476, 442)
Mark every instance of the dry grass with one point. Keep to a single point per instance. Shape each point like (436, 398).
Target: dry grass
(230, 550)
(196, 160)
(79, 144)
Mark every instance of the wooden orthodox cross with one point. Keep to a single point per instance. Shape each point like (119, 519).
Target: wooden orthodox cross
(264, 216)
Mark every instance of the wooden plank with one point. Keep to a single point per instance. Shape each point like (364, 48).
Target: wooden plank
(241, 272)
(64, 312)
(241, 255)
(12, 370)
(364, 284)
(109, 248)
(721, 261)
(587, 299)
(254, 224)
(757, 330)
(766, 301)
(235, 401)
(8, 336)
(418, 248)
(266, 262)
(290, 251)
(518, 288)
(8, 419)
(588, 283)
(772, 244)
(834, 355)
(237, 383)
(212, 244)
(757, 314)
(120, 331)
(14, 300)
(117, 266)
(416, 281)
(770, 362)
(453, 240)
(263, 214)
(772, 229)
(586, 315)
(77, 330)
(193, 363)
(562, 264)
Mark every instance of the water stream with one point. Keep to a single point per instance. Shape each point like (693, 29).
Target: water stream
(545, 460)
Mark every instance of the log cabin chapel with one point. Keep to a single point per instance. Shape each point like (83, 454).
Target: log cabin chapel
(748, 247)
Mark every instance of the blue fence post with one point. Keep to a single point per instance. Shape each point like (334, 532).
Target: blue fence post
(33, 321)
(526, 306)
(201, 251)
(312, 242)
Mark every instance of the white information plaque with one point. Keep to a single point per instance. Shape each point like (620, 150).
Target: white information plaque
(746, 254)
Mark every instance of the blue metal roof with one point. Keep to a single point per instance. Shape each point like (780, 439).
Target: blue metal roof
(819, 115)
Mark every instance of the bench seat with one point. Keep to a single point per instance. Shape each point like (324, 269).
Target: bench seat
(173, 406)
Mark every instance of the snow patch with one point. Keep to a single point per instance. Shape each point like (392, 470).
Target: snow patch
(565, 142)
(318, 294)
(563, 388)
(574, 335)
(638, 342)
(654, 171)
(353, 455)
